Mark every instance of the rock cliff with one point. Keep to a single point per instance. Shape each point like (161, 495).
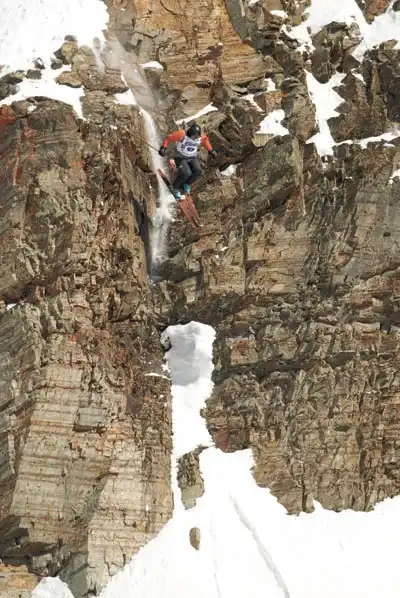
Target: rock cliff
(296, 267)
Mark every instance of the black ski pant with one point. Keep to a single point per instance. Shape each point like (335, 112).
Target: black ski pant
(188, 171)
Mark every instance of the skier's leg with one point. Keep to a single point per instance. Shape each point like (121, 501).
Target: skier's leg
(183, 173)
(196, 171)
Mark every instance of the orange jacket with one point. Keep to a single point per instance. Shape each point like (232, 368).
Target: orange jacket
(180, 134)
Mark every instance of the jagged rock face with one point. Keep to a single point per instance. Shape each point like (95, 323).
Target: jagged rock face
(296, 267)
(194, 42)
(363, 112)
(304, 299)
(386, 59)
(85, 437)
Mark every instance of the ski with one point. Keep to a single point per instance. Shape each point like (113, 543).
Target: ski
(186, 204)
(193, 210)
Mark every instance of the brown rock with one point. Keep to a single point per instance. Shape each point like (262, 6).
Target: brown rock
(202, 40)
(194, 536)
(373, 8)
(16, 582)
(363, 112)
(333, 47)
(299, 109)
(386, 69)
(70, 78)
(269, 100)
(67, 51)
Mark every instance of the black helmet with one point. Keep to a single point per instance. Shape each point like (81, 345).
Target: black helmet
(194, 130)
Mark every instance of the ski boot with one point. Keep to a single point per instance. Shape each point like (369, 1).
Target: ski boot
(177, 194)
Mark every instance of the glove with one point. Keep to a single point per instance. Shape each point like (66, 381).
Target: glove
(162, 151)
(213, 153)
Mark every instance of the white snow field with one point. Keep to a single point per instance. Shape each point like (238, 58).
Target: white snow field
(249, 545)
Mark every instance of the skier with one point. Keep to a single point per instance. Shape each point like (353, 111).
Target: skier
(186, 160)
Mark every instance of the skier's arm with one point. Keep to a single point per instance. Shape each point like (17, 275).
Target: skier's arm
(205, 142)
(174, 136)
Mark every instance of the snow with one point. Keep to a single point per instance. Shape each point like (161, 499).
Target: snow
(163, 216)
(326, 100)
(388, 137)
(271, 124)
(206, 110)
(126, 98)
(395, 175)
(383, 28)
(138, 85)
(249, 97)
(153, 64)
(323, 12)
(231, 170)
(363, 143)
(48, 88)
(10, 306)
(271, 85)
(358, 76)
(279, 13)
(52, 588)
(155, 375)
(31, 30)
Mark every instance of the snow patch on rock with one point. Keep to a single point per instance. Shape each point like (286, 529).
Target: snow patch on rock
(272, 124)
(206, 110)
(326, 101)
(322, 12)
(47, 87)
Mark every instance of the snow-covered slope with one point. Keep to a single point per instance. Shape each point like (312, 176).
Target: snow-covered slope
(32, 30)
(249, 545)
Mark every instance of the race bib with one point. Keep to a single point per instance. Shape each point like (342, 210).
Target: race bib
(188, 147)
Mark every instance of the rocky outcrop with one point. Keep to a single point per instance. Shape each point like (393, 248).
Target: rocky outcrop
(190, 479)
(304, 302)
(194, 43)
(85, 438)
(363, 112)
